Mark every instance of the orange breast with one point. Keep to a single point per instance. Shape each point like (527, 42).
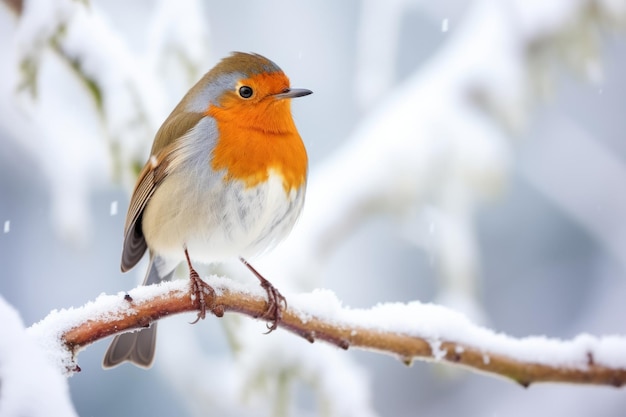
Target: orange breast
(257, 138)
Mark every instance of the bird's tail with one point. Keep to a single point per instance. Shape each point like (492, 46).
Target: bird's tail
(138, 347)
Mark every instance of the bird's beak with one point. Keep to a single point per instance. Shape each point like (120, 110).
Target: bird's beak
(293, 93)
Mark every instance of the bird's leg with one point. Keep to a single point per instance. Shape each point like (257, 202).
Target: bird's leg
(274, 299)
(274, 312)
(201, 290)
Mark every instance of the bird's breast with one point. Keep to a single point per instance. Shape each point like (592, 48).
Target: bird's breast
(217, 219)
(231, 193)
(249, 152)
(259, 216)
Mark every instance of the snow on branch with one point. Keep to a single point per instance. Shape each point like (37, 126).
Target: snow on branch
(408, 331)
(31, 384)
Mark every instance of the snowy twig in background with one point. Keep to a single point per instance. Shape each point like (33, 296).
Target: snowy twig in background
(115, 94)
(443, 138)
(408, 331)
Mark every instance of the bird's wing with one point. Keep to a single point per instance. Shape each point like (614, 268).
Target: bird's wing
(152, 174)
(167, 154)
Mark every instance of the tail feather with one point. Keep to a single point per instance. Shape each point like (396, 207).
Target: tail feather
(138, 347)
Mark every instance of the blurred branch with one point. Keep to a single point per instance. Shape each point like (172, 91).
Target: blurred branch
(82, 40)
(15, 5)
(109, 315)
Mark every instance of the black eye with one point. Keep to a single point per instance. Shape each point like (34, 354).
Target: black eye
(245, 91)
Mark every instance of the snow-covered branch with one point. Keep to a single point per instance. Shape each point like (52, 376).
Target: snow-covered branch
(408, 331)
(82, 93)
(23, 394)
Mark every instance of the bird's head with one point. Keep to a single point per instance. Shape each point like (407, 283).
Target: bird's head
(246, 89)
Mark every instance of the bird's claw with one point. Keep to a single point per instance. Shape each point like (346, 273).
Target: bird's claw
(204, 295)
(273, 312)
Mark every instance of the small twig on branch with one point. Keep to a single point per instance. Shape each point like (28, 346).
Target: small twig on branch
(109, 315)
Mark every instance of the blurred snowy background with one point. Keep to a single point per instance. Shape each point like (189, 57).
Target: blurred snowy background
(465, 153)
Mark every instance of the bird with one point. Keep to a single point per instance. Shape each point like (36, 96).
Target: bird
(225, 179)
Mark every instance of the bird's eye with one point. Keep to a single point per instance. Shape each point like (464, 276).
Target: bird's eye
(245, 91)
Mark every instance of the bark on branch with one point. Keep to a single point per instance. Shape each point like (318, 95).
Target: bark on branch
(136, 310)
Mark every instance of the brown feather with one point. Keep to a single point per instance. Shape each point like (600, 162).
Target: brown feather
(164, 151)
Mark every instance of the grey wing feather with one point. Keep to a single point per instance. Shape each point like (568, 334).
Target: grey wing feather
(137, 347)
(134, 247)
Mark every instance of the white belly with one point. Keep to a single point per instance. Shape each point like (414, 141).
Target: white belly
(216, 221)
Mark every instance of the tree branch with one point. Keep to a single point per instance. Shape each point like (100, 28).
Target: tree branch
(319, 316)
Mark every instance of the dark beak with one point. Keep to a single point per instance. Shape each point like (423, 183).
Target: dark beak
(293, 93)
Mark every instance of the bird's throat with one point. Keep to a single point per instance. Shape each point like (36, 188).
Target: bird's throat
(249, 148)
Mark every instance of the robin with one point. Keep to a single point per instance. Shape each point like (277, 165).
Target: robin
(226, 178)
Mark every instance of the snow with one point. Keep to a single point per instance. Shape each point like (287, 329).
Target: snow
(49, 331)
(31, 384)
(324, 368)
(39, 22)
(169, 50)
(437, 352)
(436, 324)
(115, 93)
(431, 322)
(254, 381)
(444, 25)
(376, 49)
(130, 93)
(113, 208)
(448, 130)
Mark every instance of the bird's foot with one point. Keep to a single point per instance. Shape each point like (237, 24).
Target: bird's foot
(202, 294)
(275, 300)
